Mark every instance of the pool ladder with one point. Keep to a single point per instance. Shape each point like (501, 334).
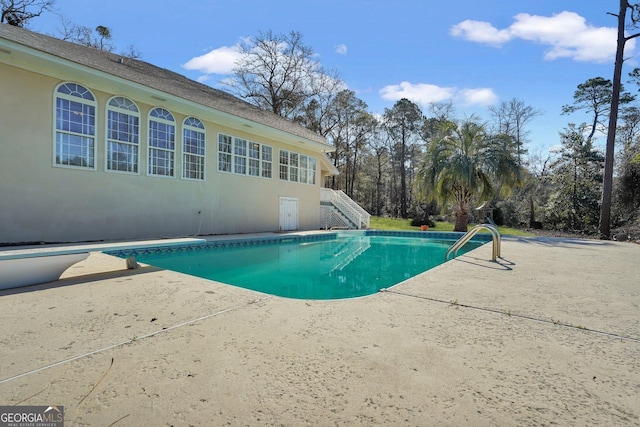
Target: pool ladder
(469, 234)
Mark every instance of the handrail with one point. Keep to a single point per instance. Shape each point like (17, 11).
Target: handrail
(495, 237)
(350, 209)
(353, 205)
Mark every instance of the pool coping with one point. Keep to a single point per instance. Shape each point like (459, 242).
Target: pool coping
(32, 265)
(293, 237)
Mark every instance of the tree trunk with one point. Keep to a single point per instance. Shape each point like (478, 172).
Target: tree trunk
(607, 183)
(379, 186)
(403, 177)
(532, 212)
(574, 197)
(462, 219)
(463, 201)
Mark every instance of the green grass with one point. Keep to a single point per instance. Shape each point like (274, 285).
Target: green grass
(379, 223)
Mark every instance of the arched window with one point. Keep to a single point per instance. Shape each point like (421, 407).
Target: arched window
(193, 141)
(75, 127)
(123, 135)
(162, 142)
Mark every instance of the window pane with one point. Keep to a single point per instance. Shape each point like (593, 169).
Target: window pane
(267, 159)
(303, 169)
(76, 90)
(75, 117)
(224, 162)
(122, 157)
(240, 165)
(74, 150)
(284, 165)
(123, 103)
(122, 127)
(193, 122)
(193, 167)
(267, 153)
(240, 159)
(224, 153)
(254, 150)
(75, 126)
(312, 171)
(266, 169)
(284, 172)
(240, 147)
(123, 130)
(293, 168)
(193, 159)
(284, 157)
(162, 137)
(161, 113)
(160, 162)
(254, 167)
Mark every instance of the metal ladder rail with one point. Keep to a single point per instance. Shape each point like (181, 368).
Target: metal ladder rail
(496, 239)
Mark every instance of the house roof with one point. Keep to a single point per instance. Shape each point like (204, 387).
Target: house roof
(153, 77)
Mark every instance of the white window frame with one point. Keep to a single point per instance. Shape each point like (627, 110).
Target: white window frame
(283, 163)
(312, 170)
(253, 159)
(167, 119)
(193, 163)
(241, 156)
(64, 140)
(296, 167)
(266, 161)
(129, 139)
(302, 170)
(225, 153)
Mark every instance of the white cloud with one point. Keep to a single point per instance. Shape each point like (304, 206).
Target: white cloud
(481, 96)
(341, 49)
(425, 94)
(567, 35)
(218, 61)
(420, 93)
(480, 32)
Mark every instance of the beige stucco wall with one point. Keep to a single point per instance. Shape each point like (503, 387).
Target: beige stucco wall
(40, 202)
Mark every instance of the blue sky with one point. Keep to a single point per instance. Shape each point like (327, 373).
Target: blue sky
(473, 53)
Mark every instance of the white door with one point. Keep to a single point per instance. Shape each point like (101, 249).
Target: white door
(288, 214)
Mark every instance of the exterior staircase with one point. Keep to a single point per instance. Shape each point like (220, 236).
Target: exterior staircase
(339, 211)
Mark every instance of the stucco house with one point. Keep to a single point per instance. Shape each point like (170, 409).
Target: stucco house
(96, 146)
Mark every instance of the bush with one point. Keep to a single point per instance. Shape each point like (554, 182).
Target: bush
(417, 222)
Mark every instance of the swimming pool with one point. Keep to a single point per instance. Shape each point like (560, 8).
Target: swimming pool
(319, 266)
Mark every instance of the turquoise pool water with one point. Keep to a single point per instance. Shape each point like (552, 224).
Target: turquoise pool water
(327, 267)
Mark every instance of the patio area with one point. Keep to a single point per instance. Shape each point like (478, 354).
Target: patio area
(548, 335)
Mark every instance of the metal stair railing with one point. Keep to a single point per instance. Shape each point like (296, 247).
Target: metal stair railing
(495, 237)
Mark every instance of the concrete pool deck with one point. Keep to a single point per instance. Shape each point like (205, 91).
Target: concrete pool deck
(549, 335)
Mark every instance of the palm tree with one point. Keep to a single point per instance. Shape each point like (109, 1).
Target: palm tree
(463, 162)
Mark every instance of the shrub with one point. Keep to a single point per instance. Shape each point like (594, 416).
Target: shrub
(417, 222)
